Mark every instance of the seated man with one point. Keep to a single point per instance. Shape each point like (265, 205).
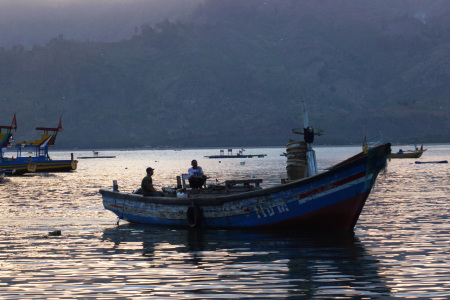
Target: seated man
(197, 179)
(147, 185)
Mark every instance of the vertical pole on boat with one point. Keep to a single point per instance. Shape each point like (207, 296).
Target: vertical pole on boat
(311, 168)
(305, 115)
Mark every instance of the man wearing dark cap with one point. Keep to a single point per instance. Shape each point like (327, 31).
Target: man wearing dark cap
(147, 185)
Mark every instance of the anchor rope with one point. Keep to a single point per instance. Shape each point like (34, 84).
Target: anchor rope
(123, 209)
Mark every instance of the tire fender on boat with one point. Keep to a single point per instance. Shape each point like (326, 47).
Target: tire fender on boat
(194, 215)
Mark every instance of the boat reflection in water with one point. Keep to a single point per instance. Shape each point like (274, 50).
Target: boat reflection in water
(237, 262)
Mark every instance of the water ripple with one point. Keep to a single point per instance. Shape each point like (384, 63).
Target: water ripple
(399, 249)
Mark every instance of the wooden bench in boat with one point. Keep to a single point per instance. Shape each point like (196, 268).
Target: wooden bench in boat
(245, 182)
(183, 182)
(230, 187)
(242, 185)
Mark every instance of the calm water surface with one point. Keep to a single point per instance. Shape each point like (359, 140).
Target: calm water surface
(400, 247)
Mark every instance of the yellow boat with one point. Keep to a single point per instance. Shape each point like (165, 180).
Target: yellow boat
(40, 161)
(408, 153)
(416, 153)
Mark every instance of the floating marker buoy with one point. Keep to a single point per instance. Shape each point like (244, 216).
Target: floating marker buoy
(55, 233)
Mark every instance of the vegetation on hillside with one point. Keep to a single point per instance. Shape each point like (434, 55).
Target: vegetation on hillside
(234, 76)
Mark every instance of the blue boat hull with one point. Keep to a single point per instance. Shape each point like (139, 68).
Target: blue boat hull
(20, 165)
(331, 200)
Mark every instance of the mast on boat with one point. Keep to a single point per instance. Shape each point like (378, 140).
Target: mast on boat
(305, 152)
(6, 137)
(308, 135)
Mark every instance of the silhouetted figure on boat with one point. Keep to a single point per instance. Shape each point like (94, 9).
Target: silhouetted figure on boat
(197, 178)
(147, 185)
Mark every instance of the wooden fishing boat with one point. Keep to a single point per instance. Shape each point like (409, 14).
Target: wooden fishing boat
(40, 160)
(333, 199)
(330, 200)
(416, 153)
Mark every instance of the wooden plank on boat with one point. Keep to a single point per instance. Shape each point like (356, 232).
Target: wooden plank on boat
(256, 182)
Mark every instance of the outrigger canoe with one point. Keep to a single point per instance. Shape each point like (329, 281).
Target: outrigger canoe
(40, 160)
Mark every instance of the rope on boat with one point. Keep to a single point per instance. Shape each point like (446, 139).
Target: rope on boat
(377, 161)
(377, 158)
(123, 208)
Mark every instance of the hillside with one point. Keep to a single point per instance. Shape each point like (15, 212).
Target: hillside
(234, 73)
(35, 22)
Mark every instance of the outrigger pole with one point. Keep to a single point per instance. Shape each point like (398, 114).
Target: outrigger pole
(5, 137)
(47, 139)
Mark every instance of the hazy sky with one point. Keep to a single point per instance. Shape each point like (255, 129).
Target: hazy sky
(30, 22)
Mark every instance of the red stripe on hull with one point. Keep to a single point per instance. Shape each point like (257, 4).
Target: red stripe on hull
(332, 185)
(340, 216)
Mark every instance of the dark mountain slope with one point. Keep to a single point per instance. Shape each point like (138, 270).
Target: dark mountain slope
(235, 74)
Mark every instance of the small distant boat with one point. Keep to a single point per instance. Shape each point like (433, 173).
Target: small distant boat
(432, 162)
(416, 153)
(240, 154)
(95, 155)
(40, 160)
